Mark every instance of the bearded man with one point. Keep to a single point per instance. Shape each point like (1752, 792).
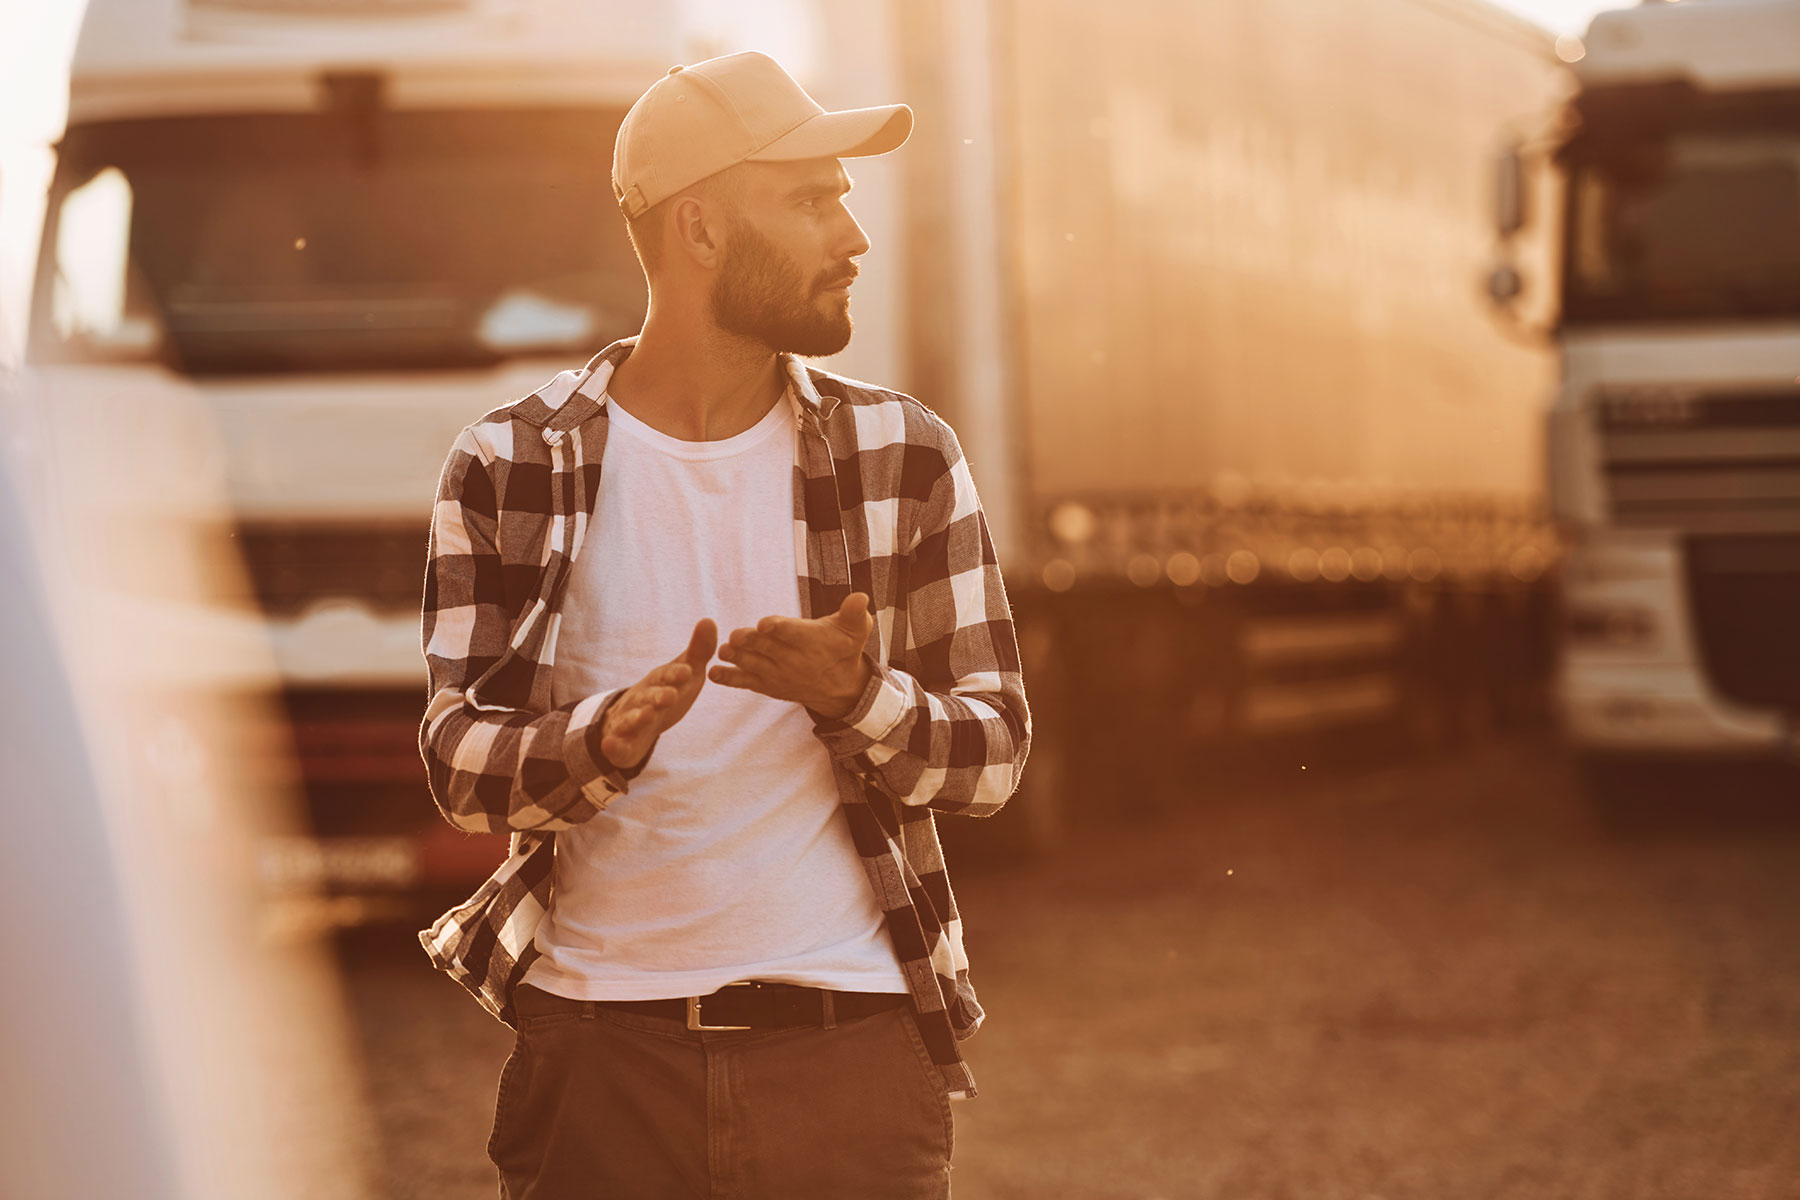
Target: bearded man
(724, 935)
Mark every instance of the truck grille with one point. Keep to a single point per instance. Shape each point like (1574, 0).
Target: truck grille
(293, 565)
(1744, 593)
(1721, 463)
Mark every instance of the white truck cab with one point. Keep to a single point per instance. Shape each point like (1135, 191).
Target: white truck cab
(1674, 437)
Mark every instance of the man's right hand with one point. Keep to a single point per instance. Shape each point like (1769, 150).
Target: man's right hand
(658, 700)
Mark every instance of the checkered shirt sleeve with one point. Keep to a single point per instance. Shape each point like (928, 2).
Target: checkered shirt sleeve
(498, 767)
(943, 723)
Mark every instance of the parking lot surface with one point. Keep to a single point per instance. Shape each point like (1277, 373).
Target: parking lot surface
(1416, 982)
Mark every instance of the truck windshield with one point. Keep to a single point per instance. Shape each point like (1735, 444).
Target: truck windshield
(318, 241)
(1684, 208)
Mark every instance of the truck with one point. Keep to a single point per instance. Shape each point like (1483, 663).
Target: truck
(1673, 447)
(1191, 281)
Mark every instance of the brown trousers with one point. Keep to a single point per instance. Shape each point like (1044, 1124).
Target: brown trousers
(597, 1104)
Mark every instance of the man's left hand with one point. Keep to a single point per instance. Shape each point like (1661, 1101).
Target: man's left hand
(817, 662)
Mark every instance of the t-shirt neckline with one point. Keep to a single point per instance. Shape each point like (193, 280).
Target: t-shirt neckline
(681, 448)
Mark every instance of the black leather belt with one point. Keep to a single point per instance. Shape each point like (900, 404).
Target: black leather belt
(763, 1006)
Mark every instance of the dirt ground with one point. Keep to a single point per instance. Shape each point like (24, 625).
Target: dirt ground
(1441, 980)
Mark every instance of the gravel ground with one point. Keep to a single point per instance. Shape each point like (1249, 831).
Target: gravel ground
(1443, 980)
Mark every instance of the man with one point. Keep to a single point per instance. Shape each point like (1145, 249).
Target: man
(725, 935)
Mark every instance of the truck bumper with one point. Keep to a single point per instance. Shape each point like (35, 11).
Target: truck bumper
(1632, 680)
(1662, 709)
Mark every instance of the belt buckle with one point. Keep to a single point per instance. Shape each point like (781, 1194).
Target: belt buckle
(693, 1014)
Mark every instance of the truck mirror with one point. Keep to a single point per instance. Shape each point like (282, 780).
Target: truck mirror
(1509, 191)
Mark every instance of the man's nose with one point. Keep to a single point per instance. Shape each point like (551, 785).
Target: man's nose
(852, 241)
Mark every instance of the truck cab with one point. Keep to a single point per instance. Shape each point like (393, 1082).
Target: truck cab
(1674, 436)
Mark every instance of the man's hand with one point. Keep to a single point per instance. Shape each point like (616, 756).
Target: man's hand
(658, 700)
(816, 662)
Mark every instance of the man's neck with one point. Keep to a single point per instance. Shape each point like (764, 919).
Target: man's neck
(697, 383)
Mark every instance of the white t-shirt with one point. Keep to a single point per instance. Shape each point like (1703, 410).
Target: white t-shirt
(729, 858)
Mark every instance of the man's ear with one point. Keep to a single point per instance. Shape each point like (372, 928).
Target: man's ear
(696, 231)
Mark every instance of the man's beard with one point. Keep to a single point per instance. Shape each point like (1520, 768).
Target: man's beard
(759, 294)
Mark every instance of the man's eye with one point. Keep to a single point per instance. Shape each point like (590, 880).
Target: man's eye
(811, 204)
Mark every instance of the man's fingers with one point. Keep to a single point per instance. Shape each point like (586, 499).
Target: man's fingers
(741, 638)
(783, 629)
(789, 631)
(674, 674)
(853, 613)
(851, 620)
(852, 617)
(701, 645)
(636, 714)
(769, 645)
(636, 711)
(733, 677)
(750, 658)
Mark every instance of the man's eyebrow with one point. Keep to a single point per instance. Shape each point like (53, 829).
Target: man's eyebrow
(821, 187)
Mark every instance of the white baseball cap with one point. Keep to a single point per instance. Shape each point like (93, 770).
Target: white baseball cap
(696, 121)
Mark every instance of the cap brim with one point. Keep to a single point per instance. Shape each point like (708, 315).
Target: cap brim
(852, 133)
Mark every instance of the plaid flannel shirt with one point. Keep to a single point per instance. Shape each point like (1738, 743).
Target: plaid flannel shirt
(884, 504)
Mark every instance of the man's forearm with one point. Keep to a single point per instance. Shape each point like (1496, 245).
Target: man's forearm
(494, 773)
(954, 751)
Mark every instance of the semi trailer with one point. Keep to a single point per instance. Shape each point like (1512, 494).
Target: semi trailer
(1279, 474)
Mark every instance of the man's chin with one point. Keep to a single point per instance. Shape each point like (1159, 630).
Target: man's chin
(821, 340)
